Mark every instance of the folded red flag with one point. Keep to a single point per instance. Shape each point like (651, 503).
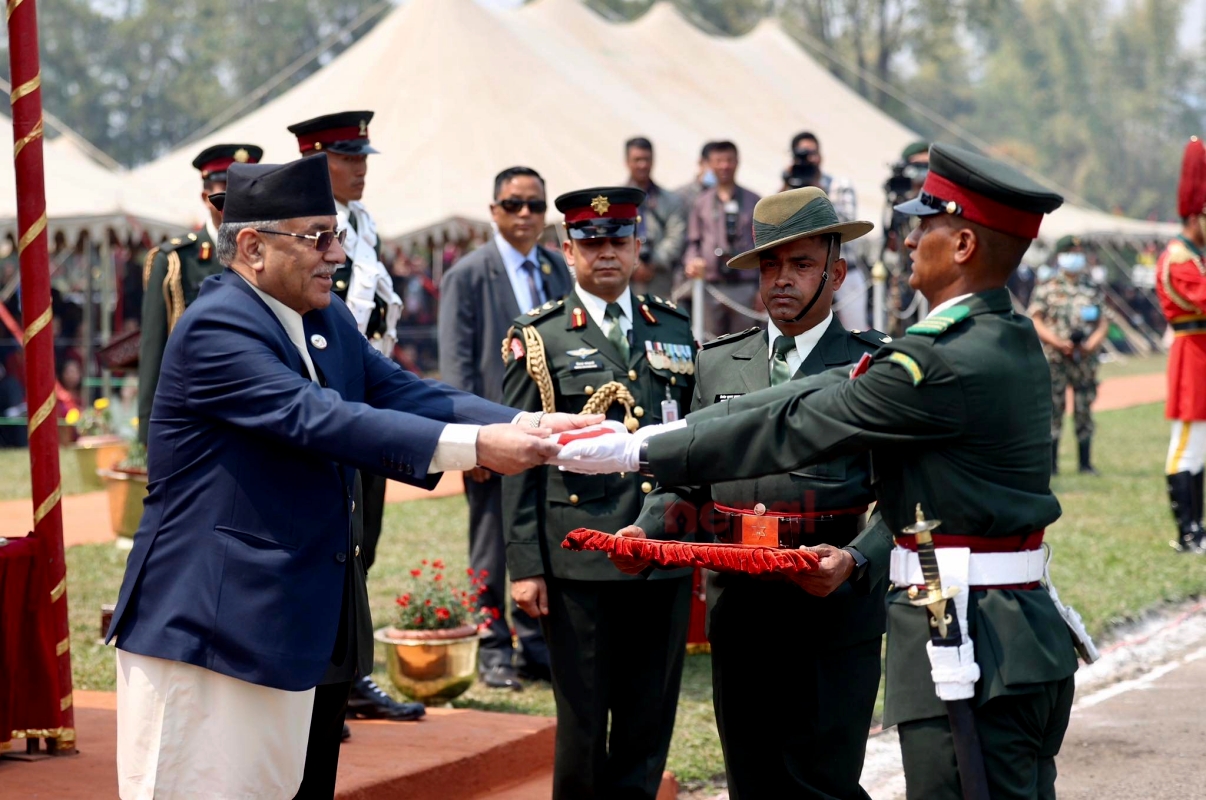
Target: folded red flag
(719, 557)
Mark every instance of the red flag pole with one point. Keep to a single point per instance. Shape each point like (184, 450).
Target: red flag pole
(26, 78)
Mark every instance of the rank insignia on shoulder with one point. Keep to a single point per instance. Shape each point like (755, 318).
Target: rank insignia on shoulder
(938, 324)
(730, 337)
(582, 352)
(910, 366)
(648, 315)
(578, 318)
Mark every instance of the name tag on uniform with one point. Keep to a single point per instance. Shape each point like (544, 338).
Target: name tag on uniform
(721, 397)
(579, 365)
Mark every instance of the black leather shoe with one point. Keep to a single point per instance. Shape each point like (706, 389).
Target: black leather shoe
(501, 676)
(367, 701)
(536, 671)
(347, 733)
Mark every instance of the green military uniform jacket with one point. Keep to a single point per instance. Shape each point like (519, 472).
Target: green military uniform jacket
(956, 415)
(542, 505)
(171, 279)
(738, 364)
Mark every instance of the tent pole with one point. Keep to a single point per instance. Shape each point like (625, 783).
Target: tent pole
(38, 340)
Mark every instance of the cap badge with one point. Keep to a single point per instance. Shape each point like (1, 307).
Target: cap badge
(241, 155)
(363, 128)
(319, 341)
(600, 204)
(318, 145)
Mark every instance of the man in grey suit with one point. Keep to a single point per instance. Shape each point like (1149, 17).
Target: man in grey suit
(661, 227)
(479, 299)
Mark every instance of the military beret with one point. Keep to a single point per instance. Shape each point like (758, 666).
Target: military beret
(982, 190)
(913, 149)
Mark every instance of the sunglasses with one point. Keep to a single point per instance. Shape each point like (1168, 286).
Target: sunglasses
(513, 205)
(322, 239)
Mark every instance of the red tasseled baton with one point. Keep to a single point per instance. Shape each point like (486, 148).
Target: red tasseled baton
(719, 557)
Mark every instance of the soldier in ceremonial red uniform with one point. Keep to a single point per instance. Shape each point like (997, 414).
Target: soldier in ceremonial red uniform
(1181, 285)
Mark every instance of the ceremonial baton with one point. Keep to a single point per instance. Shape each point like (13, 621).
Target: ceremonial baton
(945, 632)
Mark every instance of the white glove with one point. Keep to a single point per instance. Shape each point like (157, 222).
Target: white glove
(614, 451)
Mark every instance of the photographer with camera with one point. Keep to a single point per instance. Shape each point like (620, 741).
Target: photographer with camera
(721, 225)
(661, 226)
(1068, 312)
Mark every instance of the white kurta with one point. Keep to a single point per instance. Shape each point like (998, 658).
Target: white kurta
(187, 733)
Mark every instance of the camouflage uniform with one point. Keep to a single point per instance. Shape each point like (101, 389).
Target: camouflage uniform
(1070, 303)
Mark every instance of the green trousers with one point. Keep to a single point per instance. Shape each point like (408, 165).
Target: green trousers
(616, 651)
(1020, 735)
(793, 713)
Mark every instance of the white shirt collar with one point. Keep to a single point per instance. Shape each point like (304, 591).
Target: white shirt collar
(211, 230)
(943, 306)
(597, 308)
(512, 258)
(805, 342)
(290, 320)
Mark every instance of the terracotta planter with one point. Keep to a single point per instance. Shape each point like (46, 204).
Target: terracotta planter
(126, 490)
(431, 665)
(94, 453)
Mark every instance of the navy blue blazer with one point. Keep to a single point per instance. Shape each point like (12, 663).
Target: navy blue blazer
(240, 561)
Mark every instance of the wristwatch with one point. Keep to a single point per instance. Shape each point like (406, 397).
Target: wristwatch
(860, 565)
(534, 418)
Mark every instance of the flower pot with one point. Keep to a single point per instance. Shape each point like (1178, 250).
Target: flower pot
(126, 490)
(94, 453)
(431, 665)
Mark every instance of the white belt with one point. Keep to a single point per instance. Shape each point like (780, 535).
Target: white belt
(983, 569)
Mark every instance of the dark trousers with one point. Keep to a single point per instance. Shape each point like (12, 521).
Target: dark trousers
(617, 648)
(793, 719)
(1019, 734)
(322, 750)
(373, 487)
(487, 550)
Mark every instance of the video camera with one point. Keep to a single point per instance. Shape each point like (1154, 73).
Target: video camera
(802, 172)
(905, 176)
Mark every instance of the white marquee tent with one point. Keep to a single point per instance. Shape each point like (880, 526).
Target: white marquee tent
(461, 91)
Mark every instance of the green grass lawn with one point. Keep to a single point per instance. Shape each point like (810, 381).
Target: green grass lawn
(14, 473)
(1111, 560)
(1134, 365)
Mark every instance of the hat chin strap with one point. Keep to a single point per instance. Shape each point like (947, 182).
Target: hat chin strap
(820, 288)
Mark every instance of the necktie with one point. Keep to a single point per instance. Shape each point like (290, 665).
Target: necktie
(616, 334)
(529, 270)
(780, 372)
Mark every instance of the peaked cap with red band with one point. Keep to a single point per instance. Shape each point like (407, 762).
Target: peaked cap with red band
(605, 212)
(983, 191)
(1191, 193)
(213, 162)
(345, 133)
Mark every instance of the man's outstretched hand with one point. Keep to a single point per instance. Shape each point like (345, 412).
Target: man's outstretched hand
(627, 564)
(835, 567)
(559, 422)
(607, 447)
(510, 449)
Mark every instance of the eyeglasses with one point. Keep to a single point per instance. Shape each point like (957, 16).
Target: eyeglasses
(322, 239)
(513, 205)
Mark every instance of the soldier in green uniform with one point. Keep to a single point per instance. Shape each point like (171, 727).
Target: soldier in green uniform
(956, 415)
(616, 642)
(172, 272)
(813, 736)
(1068, 311)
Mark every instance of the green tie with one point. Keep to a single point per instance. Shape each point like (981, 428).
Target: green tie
(780, 371)
(616, 334)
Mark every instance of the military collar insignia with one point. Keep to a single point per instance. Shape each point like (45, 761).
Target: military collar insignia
(319, 341)
(939, 323)
(600, 204)
(207, 250)
(647, 314)
(578, 316)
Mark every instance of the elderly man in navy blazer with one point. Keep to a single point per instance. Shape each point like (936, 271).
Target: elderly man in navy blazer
(245, 588)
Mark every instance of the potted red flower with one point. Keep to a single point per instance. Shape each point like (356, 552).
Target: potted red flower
(431, 650)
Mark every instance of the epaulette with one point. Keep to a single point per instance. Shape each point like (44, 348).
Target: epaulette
(730, 337)
(1178, 253)
(669, 305)
(872, 337)
(938, 324)
(540, 312)
(178, 243)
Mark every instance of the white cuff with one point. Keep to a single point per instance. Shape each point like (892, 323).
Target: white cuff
(456, 449)
(954, 671)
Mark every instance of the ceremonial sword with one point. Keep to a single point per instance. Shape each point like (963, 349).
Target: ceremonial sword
(945, 632)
